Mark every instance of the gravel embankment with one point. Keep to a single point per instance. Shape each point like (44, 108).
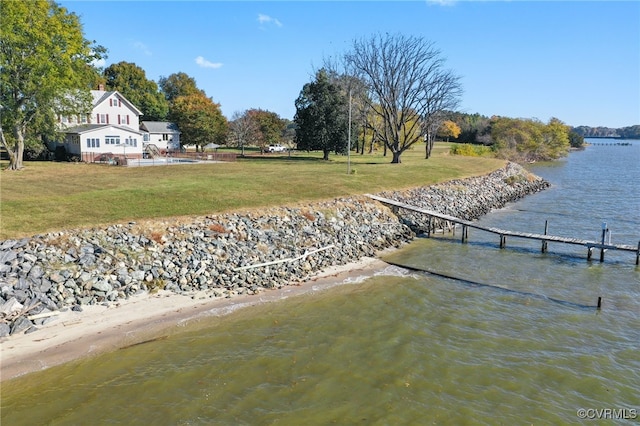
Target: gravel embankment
(228, 254)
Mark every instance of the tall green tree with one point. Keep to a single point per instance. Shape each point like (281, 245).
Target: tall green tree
(269, 126)
(45, 69)
(320, 116)
(178, 84)
(131, 80)
(199, 119)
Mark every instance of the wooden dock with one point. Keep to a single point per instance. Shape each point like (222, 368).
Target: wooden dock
(503, 233)
(610, 143)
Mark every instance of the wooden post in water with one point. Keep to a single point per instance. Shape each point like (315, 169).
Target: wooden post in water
(638, 254)
(503, 241)
(604, 234)
(465, 234)
(429, 227)
(544, 242)
(599, 302)
(589, 252)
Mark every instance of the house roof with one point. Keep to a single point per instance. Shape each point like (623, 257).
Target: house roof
(159, 127)
(88, 128)
(100, 96)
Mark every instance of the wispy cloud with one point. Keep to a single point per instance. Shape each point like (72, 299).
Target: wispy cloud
(268, 20)
(138, 45)
(441, 2)
(207, 64)
(98, 63)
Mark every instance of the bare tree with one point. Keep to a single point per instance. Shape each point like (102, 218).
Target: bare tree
(242, 129)
(408, 88)
(443, 97)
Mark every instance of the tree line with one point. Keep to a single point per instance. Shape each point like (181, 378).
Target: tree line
(47, 69)
(397, 88)
(388, 89)
(629, 132)
(516, 139)
(389, 92)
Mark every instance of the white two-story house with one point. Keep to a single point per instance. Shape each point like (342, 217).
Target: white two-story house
(112, 128)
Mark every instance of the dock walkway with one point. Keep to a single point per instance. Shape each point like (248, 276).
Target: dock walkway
(503, 233)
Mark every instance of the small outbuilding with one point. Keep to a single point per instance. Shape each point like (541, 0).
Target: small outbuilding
(163, 134)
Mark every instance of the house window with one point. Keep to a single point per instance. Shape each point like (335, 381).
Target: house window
(145, 137)
(93, 142)
(112, 140)
(165, 137)
(123, 119)
(83, 119)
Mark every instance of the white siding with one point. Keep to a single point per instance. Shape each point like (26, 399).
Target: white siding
(105, 140)
(166, 141)
(115, 110)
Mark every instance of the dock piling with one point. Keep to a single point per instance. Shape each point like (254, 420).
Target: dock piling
(544, 242)
(604, 238)
(433, 217)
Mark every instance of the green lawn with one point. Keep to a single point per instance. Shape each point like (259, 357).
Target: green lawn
(48, 196)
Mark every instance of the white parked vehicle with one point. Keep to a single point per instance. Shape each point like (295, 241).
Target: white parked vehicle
(276, 148)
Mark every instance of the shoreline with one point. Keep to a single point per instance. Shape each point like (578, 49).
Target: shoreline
(75, 294)
(98, 329)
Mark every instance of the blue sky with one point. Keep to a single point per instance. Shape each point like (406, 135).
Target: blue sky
(577, 61)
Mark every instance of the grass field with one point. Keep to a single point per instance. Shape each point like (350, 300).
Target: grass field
(48, 196)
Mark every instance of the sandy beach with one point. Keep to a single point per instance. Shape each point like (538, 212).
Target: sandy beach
(97, 329)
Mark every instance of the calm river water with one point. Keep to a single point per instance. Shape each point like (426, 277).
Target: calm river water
(515, 340)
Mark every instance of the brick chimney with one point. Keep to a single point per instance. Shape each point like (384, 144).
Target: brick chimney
(101, 87)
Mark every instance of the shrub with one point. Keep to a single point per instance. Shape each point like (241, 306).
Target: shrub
(155, 285)
(216, 227)
(157, 237)
(470, 150)
(308, 215)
